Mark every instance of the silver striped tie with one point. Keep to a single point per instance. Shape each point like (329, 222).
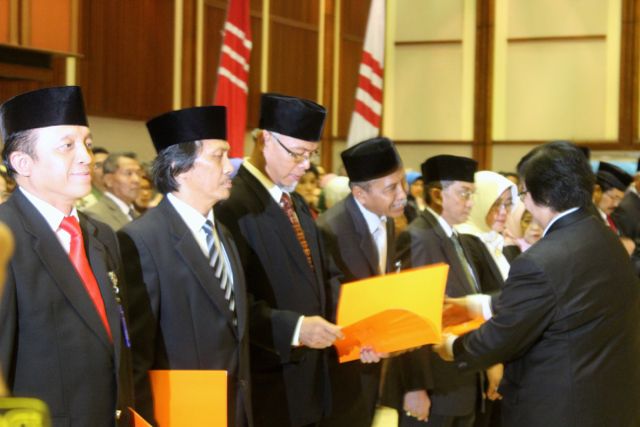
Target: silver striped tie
(216, 261)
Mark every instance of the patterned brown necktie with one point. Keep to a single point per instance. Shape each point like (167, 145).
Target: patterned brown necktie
(285, 200)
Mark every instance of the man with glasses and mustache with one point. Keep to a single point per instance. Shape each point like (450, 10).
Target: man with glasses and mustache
(426, 390)
(184, 278)
(280, 249)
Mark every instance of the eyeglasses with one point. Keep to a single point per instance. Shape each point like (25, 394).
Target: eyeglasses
(612, 196)
(523, 194)
(298, 158)
(466, 195)
(98, 165)
(498, 207)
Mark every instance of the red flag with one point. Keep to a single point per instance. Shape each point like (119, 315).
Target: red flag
(233, 74)
(365, 122)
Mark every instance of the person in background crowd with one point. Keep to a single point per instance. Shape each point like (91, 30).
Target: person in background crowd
(188, 298)
(627, 214)
(493, 201)
(4, 194)
(611, 183)
(522, 231)
(62, 315)
(322, 205)
(98, 187)
(280, 248)
(418, 384)
(307, 187)
(142, 203)
(321, 172)
(10, 182)
(415, 198)
(122, 174)
(358, 235)
(567, 324)
(336, 190)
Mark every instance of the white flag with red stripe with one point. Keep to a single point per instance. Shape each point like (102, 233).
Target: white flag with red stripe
(365, 122)
(233, 74)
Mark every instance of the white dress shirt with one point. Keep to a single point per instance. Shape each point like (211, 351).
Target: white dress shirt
(195, 221)
(378, 229)
(53, 217)
(122, 205)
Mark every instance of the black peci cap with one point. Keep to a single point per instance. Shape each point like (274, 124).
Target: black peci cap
(371, 159)
(53, 106)
(449, 168)
(291, 116)
(187, 125)
(614, 176)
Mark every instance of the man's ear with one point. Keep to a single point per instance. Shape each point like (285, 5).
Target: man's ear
(359, 194)
(21, 162)
(436, 196)
(108, 179)
(597, 192)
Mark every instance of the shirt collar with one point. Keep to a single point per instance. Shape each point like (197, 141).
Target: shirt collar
(51, 214)
(373, 220)
(191, 216)
(122, 205)
(444, 224)
(565, 213)
(274, 190)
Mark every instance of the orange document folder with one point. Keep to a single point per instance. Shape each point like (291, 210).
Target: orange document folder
(188, 398)
(392, 313)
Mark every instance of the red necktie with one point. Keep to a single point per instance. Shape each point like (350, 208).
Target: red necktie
(288, 209)
(79, 260)
(611, 224)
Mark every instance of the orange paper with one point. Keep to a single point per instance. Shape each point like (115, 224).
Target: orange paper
(137, 420)
(190, 398)
(392, 313)
(463, 328)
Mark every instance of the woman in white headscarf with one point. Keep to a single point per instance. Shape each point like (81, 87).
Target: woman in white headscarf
(494, 199)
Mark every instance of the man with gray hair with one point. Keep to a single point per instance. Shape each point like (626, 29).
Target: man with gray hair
(122, 174)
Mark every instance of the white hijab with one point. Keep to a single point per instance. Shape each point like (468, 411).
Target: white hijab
(489, 187)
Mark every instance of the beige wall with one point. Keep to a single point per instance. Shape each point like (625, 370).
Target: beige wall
(122, 135)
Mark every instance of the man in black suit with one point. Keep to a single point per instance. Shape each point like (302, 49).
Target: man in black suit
(358, 234)
(608, 191)
(567, 324)
(185, 282)
(627, 214)
(420, 385)
(63, 333)
(280, 250)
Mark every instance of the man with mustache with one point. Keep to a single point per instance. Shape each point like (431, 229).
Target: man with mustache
(280, 249)
(64, 338)
(186, 285)
(419, 384)
(358, 233)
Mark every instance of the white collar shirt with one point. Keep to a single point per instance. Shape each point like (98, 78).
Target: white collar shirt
(53, 217)
(122, 205)
(565, 213)
(378, 229)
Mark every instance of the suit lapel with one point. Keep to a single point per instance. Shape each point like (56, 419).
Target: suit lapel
(192, 255)
(286, 232)
(367, 243)
(450, 252)
(59, 266)
(115, 211)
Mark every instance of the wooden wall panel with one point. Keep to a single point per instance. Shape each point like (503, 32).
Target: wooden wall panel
(44, 35)
(12, 87)
(189, 35)
(127, 69)
(255, 66)
(306, 11)
(4, 21)
(214, 18)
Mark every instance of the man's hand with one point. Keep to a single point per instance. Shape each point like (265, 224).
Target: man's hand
(455, 312)
(417, 404)
(628, 244)
(441, 350)
(315, 332)
(494, 375)
(369, 355)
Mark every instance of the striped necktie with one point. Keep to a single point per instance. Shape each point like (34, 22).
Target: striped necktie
(287, 206)
(464, 261)
(216, 261)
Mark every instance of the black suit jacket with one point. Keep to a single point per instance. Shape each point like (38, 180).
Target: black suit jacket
(452, 393)
(627, 216)
(54, 345)
(350, 246)
(180, 318)
(567, 327)
(289, 386)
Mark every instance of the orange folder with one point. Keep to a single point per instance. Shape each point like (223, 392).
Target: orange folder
(392, 313)
(137, 420)
(463, 328)
(189, 398)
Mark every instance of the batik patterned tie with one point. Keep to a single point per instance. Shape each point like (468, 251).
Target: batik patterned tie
(287, 206)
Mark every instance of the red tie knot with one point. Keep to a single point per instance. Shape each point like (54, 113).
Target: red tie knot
(70, 225)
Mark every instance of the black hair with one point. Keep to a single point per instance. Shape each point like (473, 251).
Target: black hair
(24, 141)
(558, 175)
(110, 164)
(428, 186)
(173, 161)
